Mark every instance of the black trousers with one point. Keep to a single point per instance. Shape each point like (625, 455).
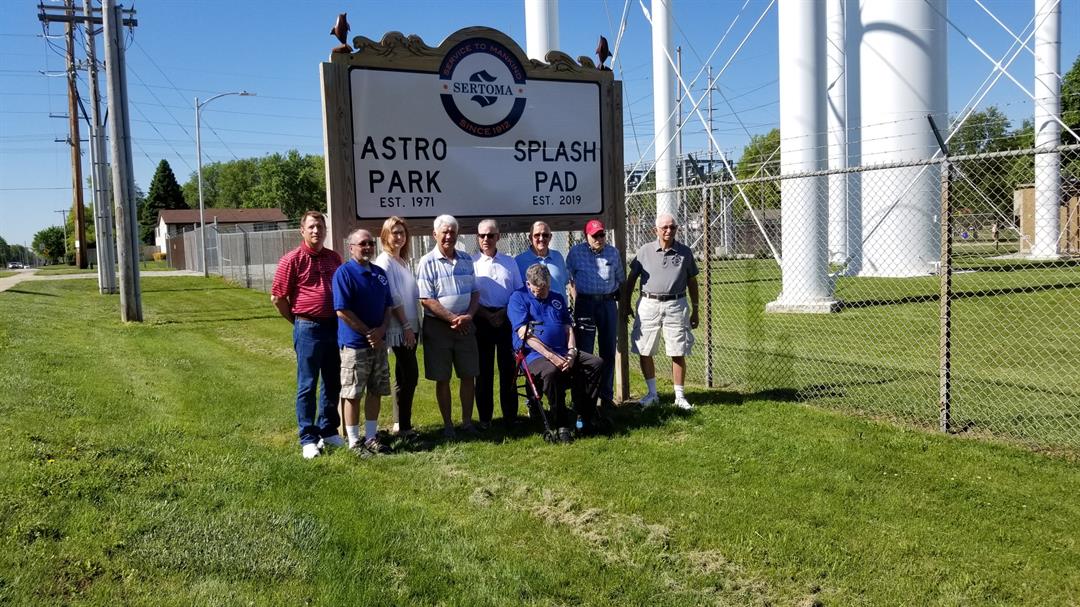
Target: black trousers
(583, 380)
(406, 374)
(495, 347)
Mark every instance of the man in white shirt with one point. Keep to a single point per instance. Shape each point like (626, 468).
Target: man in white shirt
(497, 277)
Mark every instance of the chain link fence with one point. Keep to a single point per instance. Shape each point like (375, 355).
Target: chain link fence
(242, 256)
(980, 336)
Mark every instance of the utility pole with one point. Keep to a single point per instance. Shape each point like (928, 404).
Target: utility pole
(103, 217)
(127, 232)
(63, 217)
(103, 214)
(76, 144)
(678, 135)
(708, 79)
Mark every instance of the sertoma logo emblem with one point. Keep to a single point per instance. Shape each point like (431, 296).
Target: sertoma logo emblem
(482, 87)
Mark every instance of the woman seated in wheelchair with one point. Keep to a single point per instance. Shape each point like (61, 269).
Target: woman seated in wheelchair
(542, 327)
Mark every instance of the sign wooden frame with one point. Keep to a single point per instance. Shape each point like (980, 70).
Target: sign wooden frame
(411, 54)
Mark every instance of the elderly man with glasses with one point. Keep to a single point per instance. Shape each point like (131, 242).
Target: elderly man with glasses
(497, 277)
(541, 325)
(446, 281)
(362, 301)
(596, 277)
(540, 252)
(668, 272)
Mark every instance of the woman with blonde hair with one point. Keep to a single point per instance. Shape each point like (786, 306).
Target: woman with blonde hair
(404, 324)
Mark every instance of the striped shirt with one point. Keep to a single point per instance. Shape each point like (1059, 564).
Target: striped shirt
(451, 281)
(306, 278)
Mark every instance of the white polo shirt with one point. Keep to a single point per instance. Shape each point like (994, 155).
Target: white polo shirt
(496, 278)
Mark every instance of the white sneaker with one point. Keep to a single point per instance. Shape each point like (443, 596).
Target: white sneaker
(649, 400)
(311, 451)
(331, 441)
(683, 404)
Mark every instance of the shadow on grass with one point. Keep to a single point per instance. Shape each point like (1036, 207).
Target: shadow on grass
(982, 264)
(188, 289)
(624, 420)
(744, 281)
(22, 292)
(197, 321)
(910, 299)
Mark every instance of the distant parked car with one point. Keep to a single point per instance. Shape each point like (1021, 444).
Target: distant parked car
(14, 265)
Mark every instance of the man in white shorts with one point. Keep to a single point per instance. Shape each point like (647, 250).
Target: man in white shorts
(668, 272)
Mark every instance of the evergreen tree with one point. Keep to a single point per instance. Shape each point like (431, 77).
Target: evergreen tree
(165, 193)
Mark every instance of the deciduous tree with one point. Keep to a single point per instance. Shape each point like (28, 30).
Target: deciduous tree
(761, 158)
(49, 243)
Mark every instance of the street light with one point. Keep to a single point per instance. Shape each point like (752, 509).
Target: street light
(198, 154)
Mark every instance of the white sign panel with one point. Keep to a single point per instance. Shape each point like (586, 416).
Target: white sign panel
(475, 139)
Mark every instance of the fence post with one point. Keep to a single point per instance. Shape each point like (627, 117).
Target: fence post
(217, 247)
(262, 262)
(247, 259)
(945, 294)
(706, 195)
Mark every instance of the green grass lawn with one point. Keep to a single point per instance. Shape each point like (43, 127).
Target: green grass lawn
(6, 273)
(157, 464)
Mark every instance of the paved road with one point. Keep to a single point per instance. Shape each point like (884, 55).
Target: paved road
(11, 281)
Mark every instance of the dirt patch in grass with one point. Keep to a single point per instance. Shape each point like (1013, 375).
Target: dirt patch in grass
(629, 541)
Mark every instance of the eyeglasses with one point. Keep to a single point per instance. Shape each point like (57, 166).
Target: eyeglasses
(542, 236)
(667, 227)
(363, 243)
(493, 235)
(599, 235)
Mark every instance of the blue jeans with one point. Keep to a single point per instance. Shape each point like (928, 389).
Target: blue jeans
(316, 354)
(605, 314)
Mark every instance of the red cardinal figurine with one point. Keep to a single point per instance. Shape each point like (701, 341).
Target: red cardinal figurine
(340, 31)
(602, 52)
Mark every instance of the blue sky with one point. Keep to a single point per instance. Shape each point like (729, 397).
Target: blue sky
(187, 48)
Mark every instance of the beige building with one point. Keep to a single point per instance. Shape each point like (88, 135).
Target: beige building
(172, 222)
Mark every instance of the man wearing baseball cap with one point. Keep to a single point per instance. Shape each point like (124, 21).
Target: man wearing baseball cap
(597, 274)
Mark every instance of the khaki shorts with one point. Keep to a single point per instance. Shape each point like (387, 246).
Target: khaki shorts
(364, 370)
(673, 317)
(445, 349)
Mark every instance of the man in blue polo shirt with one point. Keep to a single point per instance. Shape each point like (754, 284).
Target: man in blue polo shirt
(542, 323)
(362, 301)
(540, 252)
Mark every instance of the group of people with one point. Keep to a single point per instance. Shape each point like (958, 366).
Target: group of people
(472, 313)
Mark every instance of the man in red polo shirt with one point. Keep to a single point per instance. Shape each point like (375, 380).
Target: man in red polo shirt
(303, 293)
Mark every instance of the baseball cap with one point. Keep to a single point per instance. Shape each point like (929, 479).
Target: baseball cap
(594, 226)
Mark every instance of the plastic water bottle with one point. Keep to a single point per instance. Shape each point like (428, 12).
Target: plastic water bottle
(579, 424)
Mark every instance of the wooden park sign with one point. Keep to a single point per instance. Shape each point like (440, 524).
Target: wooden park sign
(475, 129)
(472, 128)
